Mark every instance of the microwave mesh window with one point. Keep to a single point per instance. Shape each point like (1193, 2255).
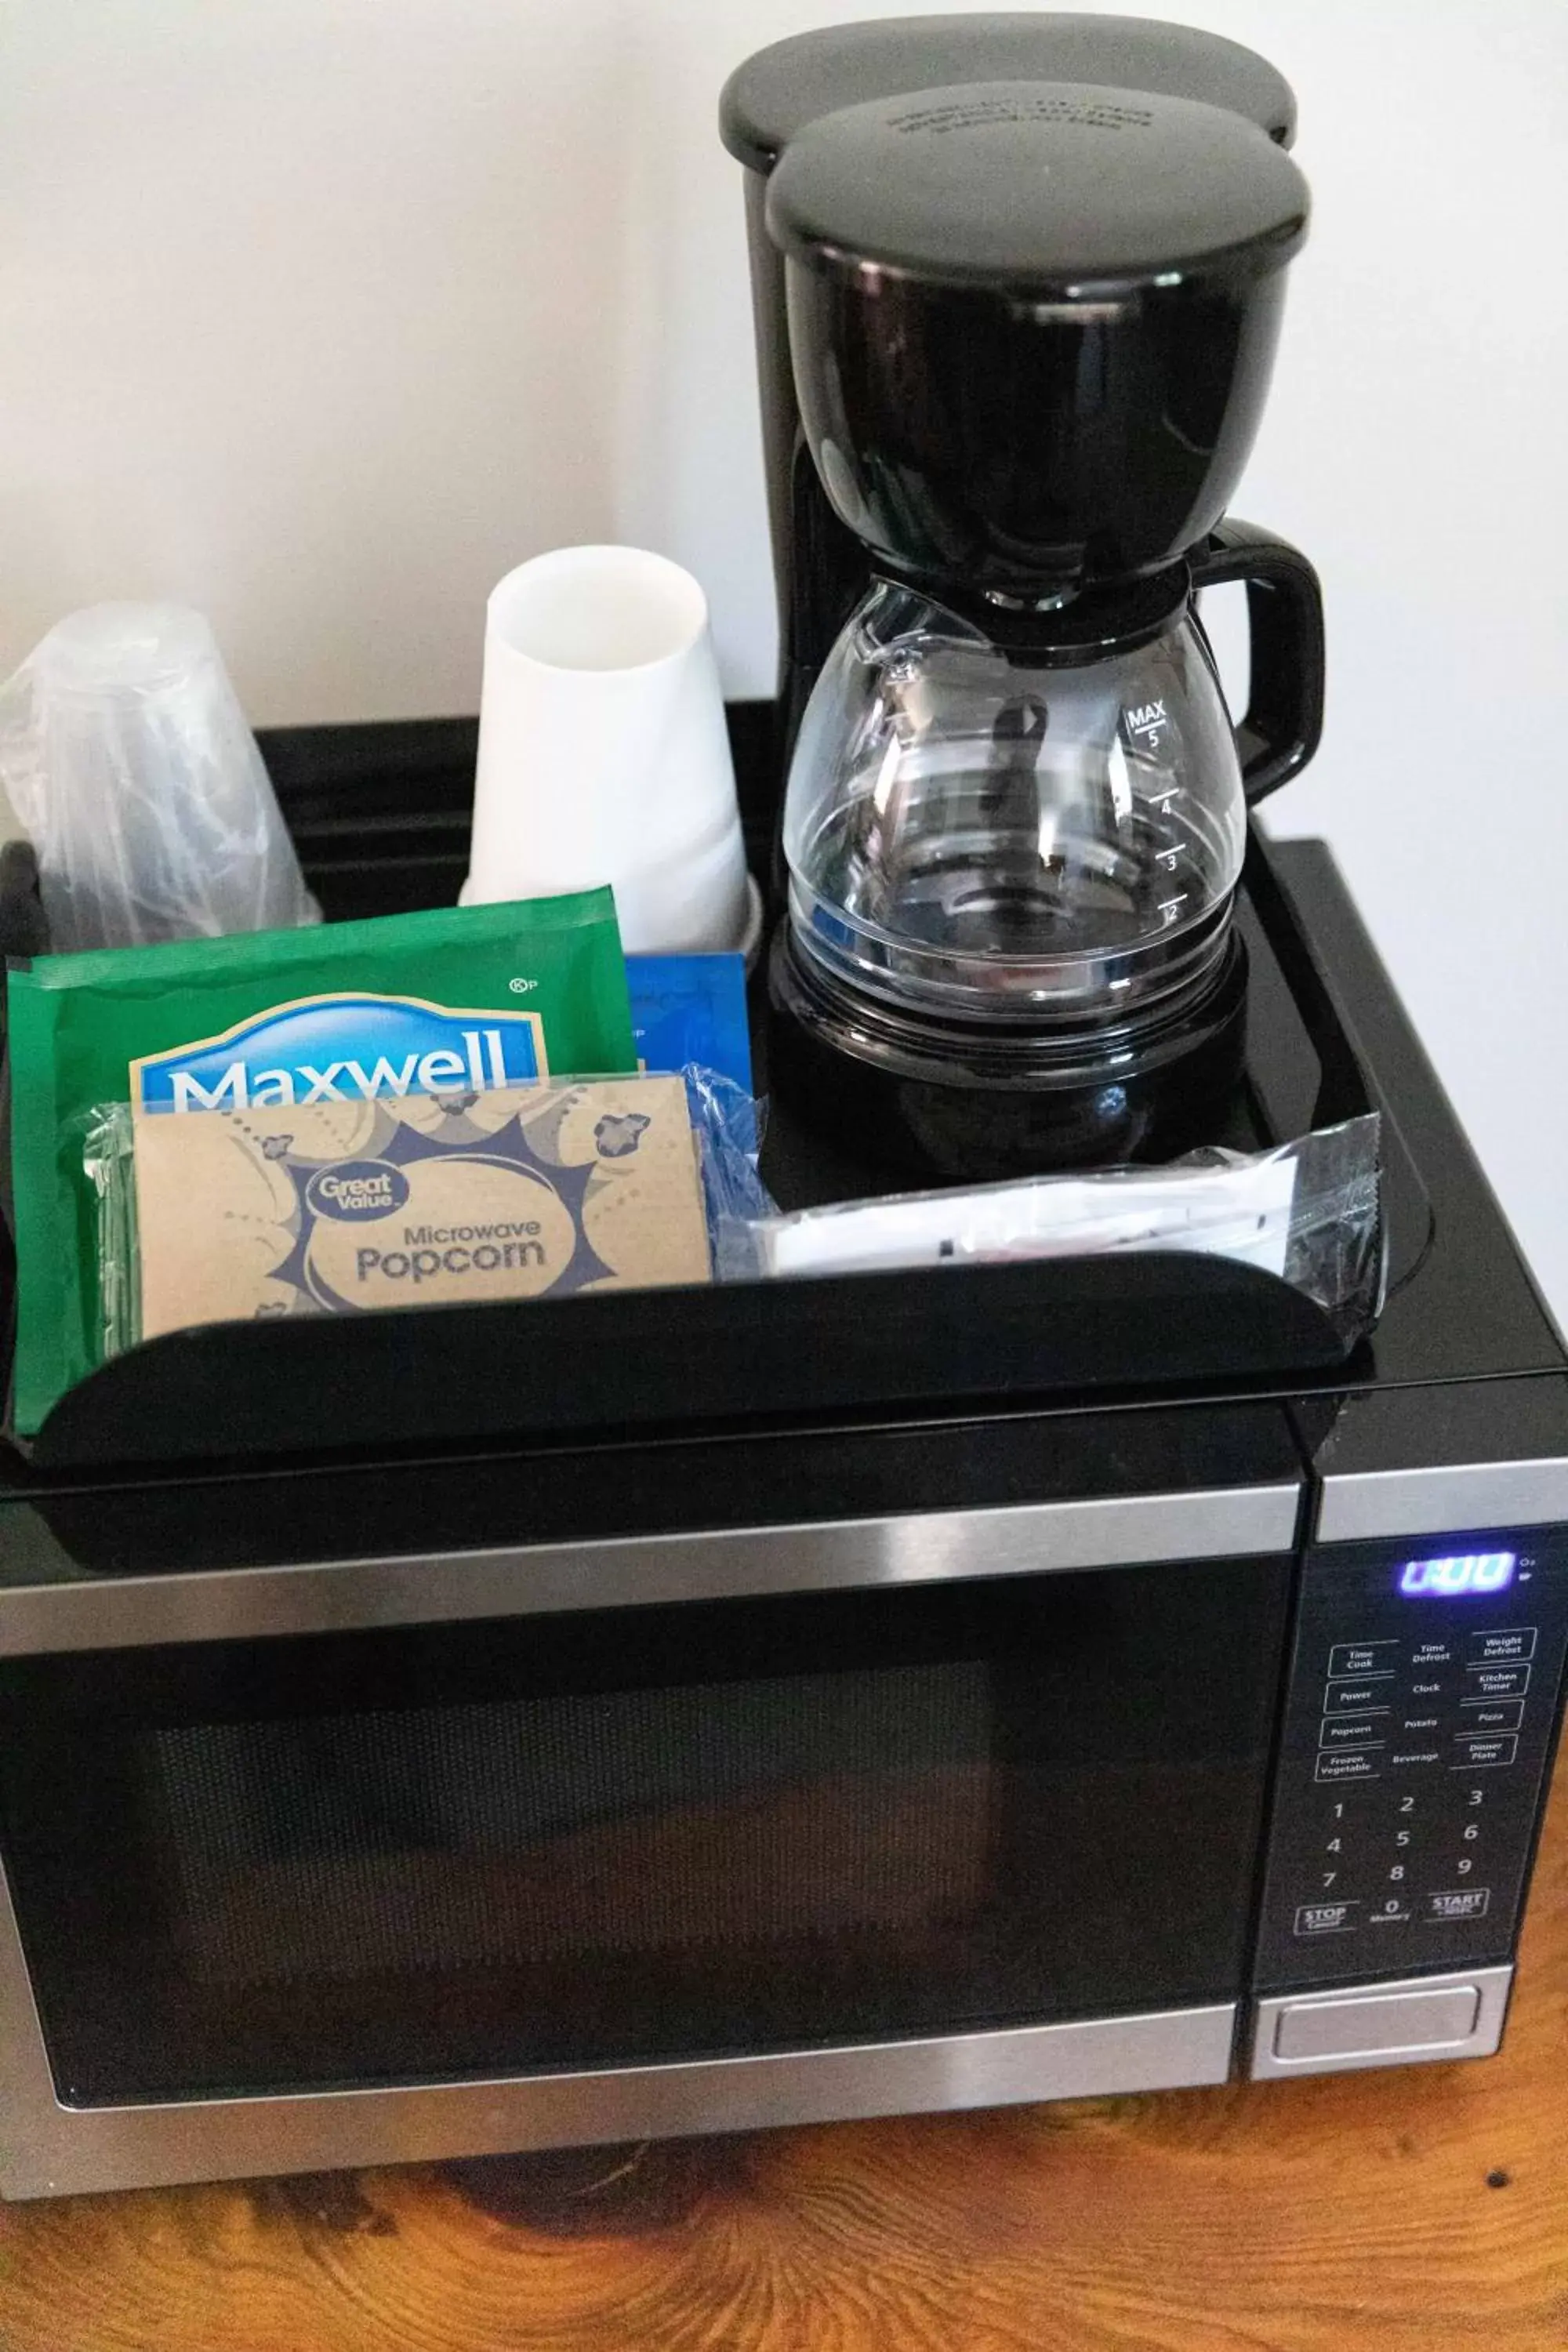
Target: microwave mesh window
(773, 1811)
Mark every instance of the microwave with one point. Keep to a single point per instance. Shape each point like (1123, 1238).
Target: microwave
(718, 1753)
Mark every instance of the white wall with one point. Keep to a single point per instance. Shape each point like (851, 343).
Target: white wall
(321, 313)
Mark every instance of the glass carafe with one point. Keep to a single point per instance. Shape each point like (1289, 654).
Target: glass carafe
(1012, 838)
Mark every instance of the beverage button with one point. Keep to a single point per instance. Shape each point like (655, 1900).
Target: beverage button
(1496, 1682)
(1514, 1642)
(1344, 1698)
(1415, 1756)
(1474, 1753)
(1463, 1903)
(1361, 1658)
(1499, 1715)
(1326, 1918)
(1359, 1764)
(1352, 1730)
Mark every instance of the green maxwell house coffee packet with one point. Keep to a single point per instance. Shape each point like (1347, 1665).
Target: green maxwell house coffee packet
(455, 1000)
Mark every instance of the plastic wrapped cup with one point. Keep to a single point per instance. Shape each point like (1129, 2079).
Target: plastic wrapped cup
(604, 755)
(130, 766)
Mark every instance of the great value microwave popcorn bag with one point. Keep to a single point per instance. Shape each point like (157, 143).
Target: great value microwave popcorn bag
(512, 1192)
(515, 1192)
(458, 1002)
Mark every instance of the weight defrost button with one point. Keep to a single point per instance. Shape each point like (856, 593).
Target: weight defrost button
(1515, 1642)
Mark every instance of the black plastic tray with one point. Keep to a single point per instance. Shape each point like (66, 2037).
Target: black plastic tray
(380, 815)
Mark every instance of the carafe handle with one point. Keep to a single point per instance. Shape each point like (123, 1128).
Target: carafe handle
(1279, 729)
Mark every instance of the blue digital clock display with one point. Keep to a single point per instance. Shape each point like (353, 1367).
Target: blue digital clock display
(1470, 1571)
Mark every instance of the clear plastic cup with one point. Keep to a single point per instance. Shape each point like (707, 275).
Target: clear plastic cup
(131, 768)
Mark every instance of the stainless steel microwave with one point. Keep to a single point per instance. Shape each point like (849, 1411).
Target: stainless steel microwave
(991, 1760)
(890, 1751)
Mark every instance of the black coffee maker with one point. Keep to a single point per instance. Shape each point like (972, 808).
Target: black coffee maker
(1028, 323)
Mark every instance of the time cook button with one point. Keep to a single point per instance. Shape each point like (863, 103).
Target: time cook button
(1361, 1658)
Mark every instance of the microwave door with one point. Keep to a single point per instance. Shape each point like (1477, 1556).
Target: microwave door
(689, 1846)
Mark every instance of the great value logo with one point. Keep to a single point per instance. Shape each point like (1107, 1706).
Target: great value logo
(343, 1049)
(357, 1190)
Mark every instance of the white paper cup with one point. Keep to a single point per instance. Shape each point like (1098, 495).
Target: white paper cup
(604, 755)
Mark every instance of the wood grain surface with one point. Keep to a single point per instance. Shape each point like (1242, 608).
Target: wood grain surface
(1410, 2210)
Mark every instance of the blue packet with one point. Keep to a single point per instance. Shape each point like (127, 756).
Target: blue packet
(691, 1010)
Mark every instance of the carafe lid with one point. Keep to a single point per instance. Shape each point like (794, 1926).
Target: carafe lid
(1049, 187)
(775, 94)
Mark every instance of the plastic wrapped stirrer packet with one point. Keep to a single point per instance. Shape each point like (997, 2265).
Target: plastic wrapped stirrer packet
(1307, 1211)
(457, 1001)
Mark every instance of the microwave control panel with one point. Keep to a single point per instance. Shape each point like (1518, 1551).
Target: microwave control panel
(1419, 1722)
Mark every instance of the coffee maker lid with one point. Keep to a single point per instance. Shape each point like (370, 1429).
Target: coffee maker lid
(1045, 186)
(774, 95)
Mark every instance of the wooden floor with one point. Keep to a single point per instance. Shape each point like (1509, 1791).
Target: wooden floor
(1406, 2212)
